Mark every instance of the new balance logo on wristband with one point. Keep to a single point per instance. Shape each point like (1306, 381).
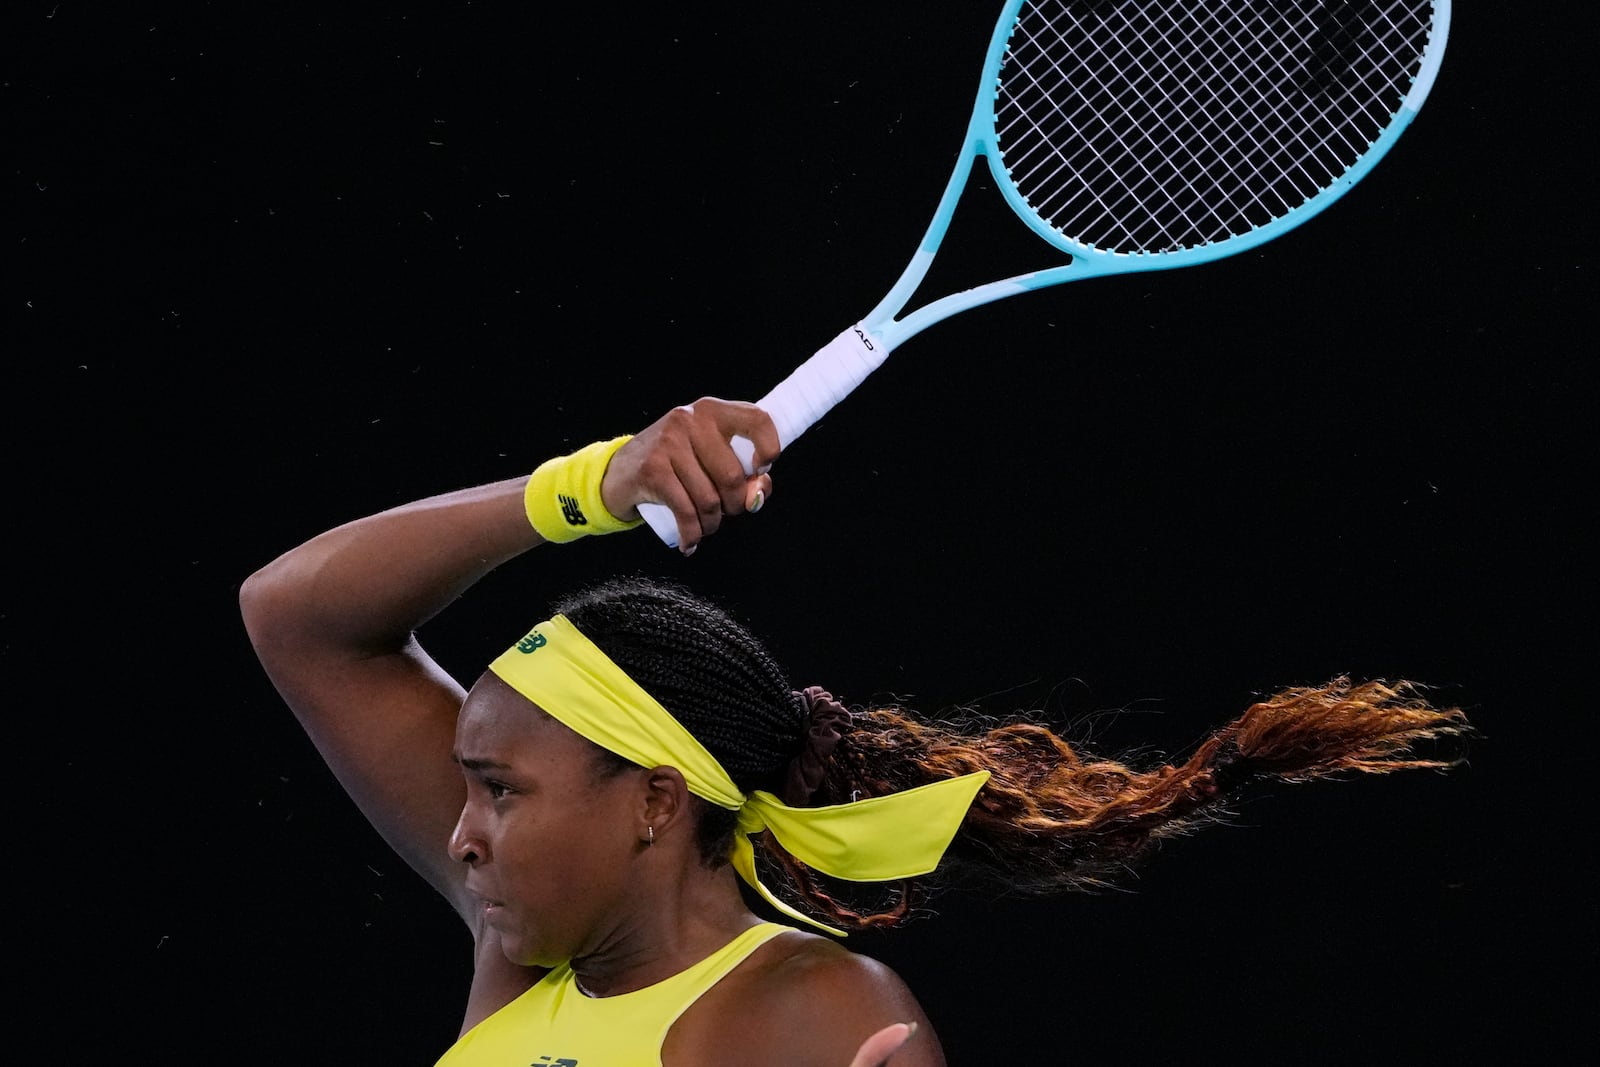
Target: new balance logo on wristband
(571, 511)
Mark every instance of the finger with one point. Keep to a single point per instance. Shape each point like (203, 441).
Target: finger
(671, 495)
(877, 1049)
(723, 469)
(754, 425)
(703, 500)
(758, 491)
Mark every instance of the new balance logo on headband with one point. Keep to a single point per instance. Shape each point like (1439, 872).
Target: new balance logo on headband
(571, 511)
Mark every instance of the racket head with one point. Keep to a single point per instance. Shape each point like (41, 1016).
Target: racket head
(1147, 134)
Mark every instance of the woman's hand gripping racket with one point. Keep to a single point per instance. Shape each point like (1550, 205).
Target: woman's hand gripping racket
(1139, 135)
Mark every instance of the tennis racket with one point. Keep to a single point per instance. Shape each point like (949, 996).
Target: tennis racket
(1138, 135)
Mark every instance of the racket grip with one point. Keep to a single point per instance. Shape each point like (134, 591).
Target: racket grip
(796, 403)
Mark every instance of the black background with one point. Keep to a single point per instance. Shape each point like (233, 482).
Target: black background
(274, 267)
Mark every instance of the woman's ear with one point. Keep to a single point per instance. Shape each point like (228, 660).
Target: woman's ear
(664, 804)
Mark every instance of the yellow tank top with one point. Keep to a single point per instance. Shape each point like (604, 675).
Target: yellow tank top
(554, 1025)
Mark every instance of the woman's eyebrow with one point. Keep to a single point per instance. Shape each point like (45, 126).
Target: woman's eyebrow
(472, 763)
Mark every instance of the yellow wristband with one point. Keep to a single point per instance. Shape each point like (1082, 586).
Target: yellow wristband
(563, 495)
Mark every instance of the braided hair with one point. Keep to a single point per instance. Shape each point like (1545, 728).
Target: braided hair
(1051, 818)
(711, 673)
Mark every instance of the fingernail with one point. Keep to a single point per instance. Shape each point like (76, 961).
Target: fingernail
(911, 1032)
(756, 502)
(690, 550)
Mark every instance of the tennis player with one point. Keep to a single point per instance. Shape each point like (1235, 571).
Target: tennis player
(657, 841)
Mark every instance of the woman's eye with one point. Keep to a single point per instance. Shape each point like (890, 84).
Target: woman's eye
(496, 789)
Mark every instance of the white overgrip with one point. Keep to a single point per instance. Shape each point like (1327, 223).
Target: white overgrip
(796, 403)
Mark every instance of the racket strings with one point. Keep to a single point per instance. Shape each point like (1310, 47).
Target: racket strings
(1189, 135)
(1157, 125)
(1197, 141)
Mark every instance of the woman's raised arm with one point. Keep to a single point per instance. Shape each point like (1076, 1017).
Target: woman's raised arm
(333, 620)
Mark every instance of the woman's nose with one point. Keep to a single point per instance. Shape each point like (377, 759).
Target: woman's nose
(466, 846)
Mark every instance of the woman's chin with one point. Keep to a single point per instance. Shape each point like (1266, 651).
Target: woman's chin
(525, 951)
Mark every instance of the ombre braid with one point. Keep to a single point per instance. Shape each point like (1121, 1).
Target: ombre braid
(1050, 819)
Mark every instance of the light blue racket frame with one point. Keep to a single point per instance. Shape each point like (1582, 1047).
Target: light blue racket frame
(1087, 261)
(841, 365)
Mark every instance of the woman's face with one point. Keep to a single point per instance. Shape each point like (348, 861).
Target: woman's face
(548, 838)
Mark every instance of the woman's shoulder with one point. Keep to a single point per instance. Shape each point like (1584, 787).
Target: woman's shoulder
(800, 998)
(804, 966)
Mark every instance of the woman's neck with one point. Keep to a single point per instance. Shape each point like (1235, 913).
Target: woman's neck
(665, 932)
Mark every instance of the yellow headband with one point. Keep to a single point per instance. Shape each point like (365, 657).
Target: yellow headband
(900, 835)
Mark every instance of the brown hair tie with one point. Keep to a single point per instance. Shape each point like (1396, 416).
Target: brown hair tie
(828, 721)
